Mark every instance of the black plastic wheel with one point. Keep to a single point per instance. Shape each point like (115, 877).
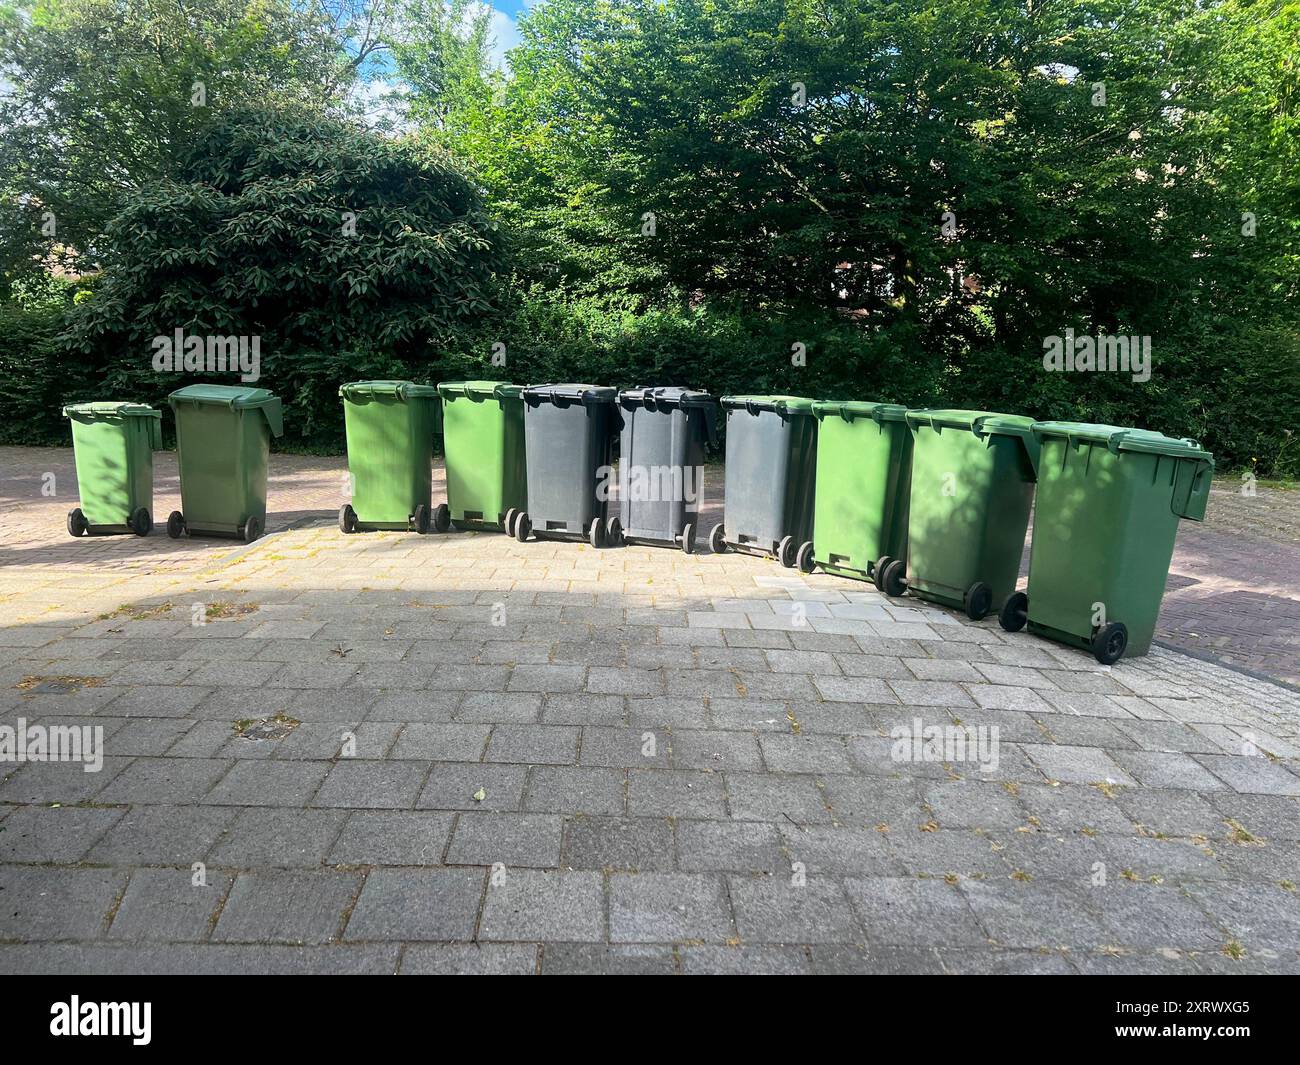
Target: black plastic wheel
(252, 529)
(175, 524)
(688, 539)
(523, 526)
(805, 557)
(347, 518)
(596, 534)
(77, 523)
(892, 580)
(1015, 612)
(141, 523)
(614, 533)
(786, 551)
(978, 601)
(508, 522)
(441, 518)
(878, 574)
(1110, 642)
(718, 540)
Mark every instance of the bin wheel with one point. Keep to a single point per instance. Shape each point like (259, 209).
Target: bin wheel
(523, 526)
(1110, 643)
(252, 529)
(978, 601)
(805, 557)
(347, 518)
(878, 574)
(141, 523)
(718, 540)
(786, 551)
(614, 533)
(441, 518)
(77, 523)
(596, 534)
(508, 522)
(175, 524)
(892, 581)
(1015, 612)
(688, 539)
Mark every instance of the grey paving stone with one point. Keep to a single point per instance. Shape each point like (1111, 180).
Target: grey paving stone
(1150, 917)
(1268, 816)
(716, 749)
(417, 904)
(548, 678)
(619, 843)
(167, 905)
(805, 754)
(534, 905)
(903, 911)
(930, 693)
(470, 959)
(1133, 963)
(874, 961)
(641, 748)
(43, 903)
(745, 960)
(1252, 775)
(775, 910)
(1167, 736)
(453, 785)
(1076, 765)
(617, 960)
(287, 906)
(854, 690)
(1073, 808)
(534, 744)
(1154, 769)
(432, 706)
(43, 834)
(762, 715)
(512, 839)
(156, 702)
(1035, 915)
(442, 742)
(267, 784)
(823, 850)
(944, 852)
(1071, 857)
(1076, 731)
(277, 838)
(569, 789)
(674, 712)
(584, 709)
(999, 697)
(165, 780)
(162, 835)
(1170, 861)
(676, 793)
(772, 797)
(973, 804)
(999, 961)
(610, 680)
(1255, 915)
(668, 908)
(392, 837)
(499, 707)
(262, 959)
(149, 736)
(738, 847)
(1172, 813)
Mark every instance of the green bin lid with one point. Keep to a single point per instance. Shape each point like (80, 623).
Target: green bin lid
(665, 396)
(111, 408)
(1116, 438)
(403, 390)
(979, 422)
(234, 397)
(782, 404)
(850, 409)
(580, 393)
(498, 389)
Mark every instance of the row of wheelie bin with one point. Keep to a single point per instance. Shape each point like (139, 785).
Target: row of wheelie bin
(932, 503)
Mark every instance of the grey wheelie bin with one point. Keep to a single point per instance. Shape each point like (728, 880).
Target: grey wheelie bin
(771, 473)
(223, 444)
(661, 463)
(569, 434)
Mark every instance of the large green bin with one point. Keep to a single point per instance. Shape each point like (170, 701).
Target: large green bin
(864, 471)
(114, 443)
(1109, 501)
(973, 478)
(223, 444)
(391, 427)
(483, 439)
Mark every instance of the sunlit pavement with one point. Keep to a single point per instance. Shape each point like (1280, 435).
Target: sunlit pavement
(386, 752)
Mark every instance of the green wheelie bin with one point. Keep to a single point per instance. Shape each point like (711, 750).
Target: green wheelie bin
(391, 427)
(114, 444)
(1109, 502)
(223, 444)
(864, 473)
(973, 476)
(483, 439)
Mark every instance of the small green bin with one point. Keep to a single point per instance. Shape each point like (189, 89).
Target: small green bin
(114, 442)
(864, 473)
(483, 438)
(391, 427)
(223, 444)
(1109, 502)
(973, 476)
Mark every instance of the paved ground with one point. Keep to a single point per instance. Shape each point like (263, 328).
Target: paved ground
(398, 753)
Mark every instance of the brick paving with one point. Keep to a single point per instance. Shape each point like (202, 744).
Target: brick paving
(392, 753)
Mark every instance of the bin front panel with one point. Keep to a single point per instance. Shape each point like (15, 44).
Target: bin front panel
(223, 454)
(1104, 535)
(969, 510)
(483, 437)
(390, 455)
(771, 472)
(864, 470)
(114, 459)
(568, 453)
(661, 470)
